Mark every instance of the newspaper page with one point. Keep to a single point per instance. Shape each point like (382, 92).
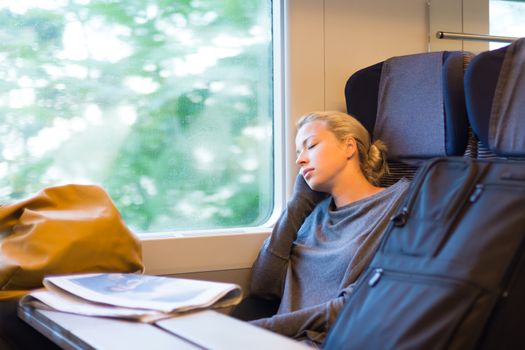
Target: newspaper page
(44, 299)
(142, 297)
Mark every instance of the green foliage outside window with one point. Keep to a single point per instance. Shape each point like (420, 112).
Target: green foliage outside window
(165, 103)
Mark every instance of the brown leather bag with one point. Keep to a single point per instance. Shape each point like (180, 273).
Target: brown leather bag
(63, 230)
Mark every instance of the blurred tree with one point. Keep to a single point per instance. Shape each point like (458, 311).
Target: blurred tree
(165, 103)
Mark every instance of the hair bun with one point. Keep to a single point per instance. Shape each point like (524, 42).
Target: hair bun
(377, 162)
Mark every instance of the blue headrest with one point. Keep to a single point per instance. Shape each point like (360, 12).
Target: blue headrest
(495, 99)
(414, 103)
(361, 94)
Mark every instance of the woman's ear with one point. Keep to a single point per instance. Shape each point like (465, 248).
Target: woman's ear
(351, 148)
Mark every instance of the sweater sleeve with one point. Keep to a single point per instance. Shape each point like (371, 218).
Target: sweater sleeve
(310, 323)
(269, 269)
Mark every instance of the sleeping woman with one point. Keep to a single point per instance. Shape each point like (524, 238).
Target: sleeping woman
(329, 230)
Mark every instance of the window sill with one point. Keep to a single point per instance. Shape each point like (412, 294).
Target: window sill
(166, 254)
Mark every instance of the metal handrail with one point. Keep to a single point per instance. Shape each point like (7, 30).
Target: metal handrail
(475, 37)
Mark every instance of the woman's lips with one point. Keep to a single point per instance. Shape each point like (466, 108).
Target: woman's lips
(307, 173)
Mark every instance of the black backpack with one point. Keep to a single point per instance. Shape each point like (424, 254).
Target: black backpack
(450, 270)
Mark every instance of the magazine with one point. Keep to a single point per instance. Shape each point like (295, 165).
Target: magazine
(145, 298)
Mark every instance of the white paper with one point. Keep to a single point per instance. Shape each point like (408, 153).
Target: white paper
(143, 297)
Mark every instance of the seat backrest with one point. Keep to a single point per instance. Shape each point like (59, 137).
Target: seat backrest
(495, 100)
(415, 104)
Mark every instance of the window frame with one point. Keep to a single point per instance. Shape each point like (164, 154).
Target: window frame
(236, 248)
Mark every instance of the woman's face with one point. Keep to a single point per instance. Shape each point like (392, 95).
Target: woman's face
(321, 156)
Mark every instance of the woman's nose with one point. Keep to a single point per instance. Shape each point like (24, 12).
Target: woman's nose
(301, 159)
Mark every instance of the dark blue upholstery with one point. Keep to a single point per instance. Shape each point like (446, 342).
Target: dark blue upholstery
(495, 93)
(456, 122)
(361, 93)
(481, 78)
(362, 100)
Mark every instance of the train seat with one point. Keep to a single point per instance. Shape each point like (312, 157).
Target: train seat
(415, 104)
(495, 97)
(493, 80)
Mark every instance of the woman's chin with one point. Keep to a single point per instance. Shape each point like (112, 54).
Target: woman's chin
(314, 185)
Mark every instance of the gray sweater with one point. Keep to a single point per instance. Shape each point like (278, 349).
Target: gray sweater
(313, 271)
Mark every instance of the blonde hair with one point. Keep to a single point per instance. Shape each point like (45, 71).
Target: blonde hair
(372, 156)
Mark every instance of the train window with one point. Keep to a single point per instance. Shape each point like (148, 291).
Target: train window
(168, 104)
(507, 18)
